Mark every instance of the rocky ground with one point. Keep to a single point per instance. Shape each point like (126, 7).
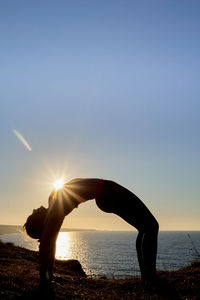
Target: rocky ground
(19, 279)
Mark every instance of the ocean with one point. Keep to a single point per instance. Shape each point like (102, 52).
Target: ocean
(113, 253)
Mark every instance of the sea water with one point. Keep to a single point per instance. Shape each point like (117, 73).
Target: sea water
(113, 254)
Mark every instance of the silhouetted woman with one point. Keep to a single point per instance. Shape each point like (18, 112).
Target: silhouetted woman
(44, 224)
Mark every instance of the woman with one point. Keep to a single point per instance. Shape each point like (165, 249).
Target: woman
(44, 224)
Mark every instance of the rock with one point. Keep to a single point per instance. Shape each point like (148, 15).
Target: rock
(70, 267)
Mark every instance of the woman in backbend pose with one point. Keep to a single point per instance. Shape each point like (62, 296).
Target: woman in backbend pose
(44, 224)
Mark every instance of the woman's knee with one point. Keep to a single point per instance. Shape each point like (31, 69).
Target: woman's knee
(154, 226)
(151, 226)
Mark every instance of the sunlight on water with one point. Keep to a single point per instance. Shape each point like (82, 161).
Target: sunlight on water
(63, 246)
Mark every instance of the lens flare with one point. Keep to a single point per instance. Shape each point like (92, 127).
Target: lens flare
(58, 184)
(22, 139)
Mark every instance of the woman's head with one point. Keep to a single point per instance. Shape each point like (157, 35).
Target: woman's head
(35, 223)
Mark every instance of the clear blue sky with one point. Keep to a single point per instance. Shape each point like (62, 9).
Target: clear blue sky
(105, 89)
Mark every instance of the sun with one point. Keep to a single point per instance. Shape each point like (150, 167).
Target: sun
(58, 184)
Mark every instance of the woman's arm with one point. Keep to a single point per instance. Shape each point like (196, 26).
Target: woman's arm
(60, 205)
(58, 209)
(47, 246)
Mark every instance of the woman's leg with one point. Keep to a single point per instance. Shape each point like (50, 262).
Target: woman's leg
(140, 253)
(120, 201)
(146, 245)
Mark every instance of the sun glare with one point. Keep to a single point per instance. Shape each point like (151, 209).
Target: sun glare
(58, 184)
(62, 246)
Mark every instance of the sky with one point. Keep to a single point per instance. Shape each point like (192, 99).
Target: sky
(105, 89)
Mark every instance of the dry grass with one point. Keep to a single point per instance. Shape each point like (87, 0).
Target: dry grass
(19, 279)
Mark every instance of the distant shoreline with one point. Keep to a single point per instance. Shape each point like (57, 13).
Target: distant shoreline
(6, 229)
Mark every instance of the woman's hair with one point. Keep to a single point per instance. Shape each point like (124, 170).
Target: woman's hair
(35, 223)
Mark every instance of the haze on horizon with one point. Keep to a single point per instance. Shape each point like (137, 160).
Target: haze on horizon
(106, 89)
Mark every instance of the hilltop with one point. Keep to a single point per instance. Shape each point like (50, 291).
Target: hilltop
(19, 279)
